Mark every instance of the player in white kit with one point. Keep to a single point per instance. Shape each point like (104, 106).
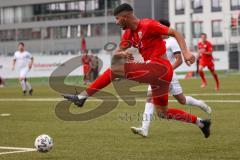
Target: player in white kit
(175, 89)
(24, 61)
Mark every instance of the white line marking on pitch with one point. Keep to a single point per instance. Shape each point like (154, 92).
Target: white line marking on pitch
(98, 100)
(5, 115)
(18, 150)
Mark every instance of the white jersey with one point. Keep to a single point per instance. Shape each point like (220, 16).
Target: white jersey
(171, 47)
(22, 59)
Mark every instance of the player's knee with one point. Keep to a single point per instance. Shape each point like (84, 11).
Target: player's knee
(182, 100)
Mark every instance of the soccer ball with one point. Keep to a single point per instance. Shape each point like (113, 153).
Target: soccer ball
(43, 143)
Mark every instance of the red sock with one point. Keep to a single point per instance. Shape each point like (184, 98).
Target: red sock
(101, 82)
(202, 76)
(180, 115)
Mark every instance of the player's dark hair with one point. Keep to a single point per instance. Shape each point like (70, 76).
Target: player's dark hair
(165, 22)
(121, 8)
(21, 43)
(203, 34)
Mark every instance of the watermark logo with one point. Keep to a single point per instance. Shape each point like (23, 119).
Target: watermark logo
(137, 75)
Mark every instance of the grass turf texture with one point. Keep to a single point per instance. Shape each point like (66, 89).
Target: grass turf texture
(109, 137)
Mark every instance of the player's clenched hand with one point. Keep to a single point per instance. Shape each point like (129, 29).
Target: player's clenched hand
(189, 58)
(119, 53)
(124, 54)
(30, 66)
(129, 56)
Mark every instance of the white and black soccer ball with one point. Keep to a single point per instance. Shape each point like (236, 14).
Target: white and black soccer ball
(43, 143)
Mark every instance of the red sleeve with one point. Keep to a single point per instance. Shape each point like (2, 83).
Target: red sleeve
(209, 47)
(198, 45)
(157, 27)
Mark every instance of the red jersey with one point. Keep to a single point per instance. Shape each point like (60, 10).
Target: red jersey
(86, 59)
(207, 46)
(148, 38)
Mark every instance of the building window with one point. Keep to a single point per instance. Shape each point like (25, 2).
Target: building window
(235, 4)
(46, 33)
(233, 47)
(97, 30)
(216, 28)
(8, 35)
(84, 30)
(197, 6)
(216, 5)
(179, 7)
(63, 32)
(8, 15)
(60, 32)
(197, 29)
(36, 33)
(219, 47)
(180, 27)
(24, 34)
(74, 31)
(235, 25)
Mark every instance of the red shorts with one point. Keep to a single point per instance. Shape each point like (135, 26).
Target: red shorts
(208, 64)
(86, 69)
(156, 73)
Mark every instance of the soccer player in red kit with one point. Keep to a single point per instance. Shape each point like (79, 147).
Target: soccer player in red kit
(205, 50)
(86, 61)
(146, 35)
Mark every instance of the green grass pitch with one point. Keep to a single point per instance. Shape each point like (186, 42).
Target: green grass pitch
(109, 137)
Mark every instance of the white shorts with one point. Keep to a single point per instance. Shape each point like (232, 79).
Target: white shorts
(23, 72)
(174, 88)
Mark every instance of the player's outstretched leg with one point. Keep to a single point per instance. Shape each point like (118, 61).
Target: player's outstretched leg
(174, 114)
(101, 82)
(179, 115)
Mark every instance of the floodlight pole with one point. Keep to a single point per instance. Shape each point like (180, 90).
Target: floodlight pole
(153, 8)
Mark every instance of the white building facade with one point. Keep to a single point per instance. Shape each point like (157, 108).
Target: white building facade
(219, 19)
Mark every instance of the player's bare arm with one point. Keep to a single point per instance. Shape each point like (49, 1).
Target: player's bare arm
(14, 63)
(188, 57)
(178, 60)
(31, 63)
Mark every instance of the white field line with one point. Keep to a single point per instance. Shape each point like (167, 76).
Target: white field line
(15, 148)
(12, 152)
(18, 150)
(213, 94)
(98, 100)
